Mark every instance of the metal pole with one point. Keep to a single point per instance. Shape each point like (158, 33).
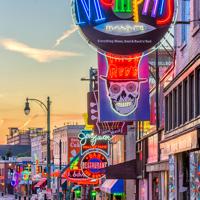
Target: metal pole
(157, 92)
(48, 145)
(60, 155)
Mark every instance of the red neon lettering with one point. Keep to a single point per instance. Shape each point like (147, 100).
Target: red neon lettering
(170, 10)
(108, 3)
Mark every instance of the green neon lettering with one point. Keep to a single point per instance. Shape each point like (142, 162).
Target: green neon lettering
(122, 6)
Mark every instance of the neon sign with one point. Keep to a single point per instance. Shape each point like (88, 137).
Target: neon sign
(15, 179)
(93, 164)
(123, 89)
(92, 138)
(94, 142)
(128, 26)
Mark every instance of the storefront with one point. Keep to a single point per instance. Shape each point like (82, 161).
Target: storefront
(183, 165)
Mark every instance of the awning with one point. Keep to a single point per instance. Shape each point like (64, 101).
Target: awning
(126, 170)
(41, 182)
(112, 186)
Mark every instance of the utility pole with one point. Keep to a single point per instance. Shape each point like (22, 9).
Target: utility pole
(60, 167)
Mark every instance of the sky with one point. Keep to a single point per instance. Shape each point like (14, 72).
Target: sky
(41, 54)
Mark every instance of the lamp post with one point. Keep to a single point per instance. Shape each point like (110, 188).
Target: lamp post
(60, 164)
(47, 108)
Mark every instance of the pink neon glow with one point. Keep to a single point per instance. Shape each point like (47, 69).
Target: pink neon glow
(167, 19)
(155, 7)
(145, 8)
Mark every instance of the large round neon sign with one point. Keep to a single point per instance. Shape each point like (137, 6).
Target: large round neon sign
(93, 164)
(123, 27)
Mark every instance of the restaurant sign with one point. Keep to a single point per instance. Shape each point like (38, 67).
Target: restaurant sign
(123, 27)
(93, 163)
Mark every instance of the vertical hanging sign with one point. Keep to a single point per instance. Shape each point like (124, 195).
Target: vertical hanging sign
(123, 88)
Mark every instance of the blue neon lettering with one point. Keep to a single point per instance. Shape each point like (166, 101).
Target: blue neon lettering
(84, 11)
(162, 7)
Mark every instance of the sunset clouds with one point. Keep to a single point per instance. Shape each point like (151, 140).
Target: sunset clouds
(40, 55)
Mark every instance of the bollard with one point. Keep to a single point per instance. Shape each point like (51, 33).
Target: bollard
(15, 196)
(19, 197)
(2, 194)
(45, 196)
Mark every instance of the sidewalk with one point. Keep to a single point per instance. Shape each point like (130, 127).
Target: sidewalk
(8, 197)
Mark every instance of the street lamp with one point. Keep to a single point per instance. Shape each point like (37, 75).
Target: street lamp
(47, 108)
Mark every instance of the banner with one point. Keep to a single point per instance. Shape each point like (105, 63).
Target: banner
(123, 89)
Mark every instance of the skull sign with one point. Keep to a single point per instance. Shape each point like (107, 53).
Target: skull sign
(124, 96)
(123, 84)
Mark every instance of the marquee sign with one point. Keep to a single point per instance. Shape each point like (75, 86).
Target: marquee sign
(93, 142)
(123, 88)
(93, 163)
(123, 27)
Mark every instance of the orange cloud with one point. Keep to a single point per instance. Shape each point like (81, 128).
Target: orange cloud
(40, 55)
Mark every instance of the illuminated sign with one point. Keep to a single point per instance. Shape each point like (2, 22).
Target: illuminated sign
(94, 142)
(73, 147)
(123, 88)
(123, 27)
(77, 176)
(25, 175)
(15, 179)
(93, 163)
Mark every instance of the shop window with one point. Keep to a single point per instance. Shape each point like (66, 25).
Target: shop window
(183, 176)
(185, 17)
(185, 101)
(191, 97)
(179, 105)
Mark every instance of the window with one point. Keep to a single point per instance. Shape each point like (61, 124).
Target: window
(185, 101)
(191, 97)
(166, 114)
(196, 13)
(180, 104)
(185, 17)
(174, 108)
(170, 111)
(198, 92)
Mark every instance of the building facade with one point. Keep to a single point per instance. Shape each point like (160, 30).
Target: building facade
(63, 134)
(22, 137)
